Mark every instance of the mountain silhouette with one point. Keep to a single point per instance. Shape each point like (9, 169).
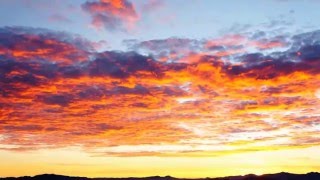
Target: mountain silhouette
(277, 176)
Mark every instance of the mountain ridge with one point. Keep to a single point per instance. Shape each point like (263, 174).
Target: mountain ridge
(276, 176)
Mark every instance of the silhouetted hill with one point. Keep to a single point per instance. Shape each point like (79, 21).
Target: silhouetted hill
(278, 176)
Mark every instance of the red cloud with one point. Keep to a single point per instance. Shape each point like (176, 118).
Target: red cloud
(126, 104)
(112, 14)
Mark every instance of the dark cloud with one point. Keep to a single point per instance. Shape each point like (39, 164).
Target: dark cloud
(138, 89)
(23, 128)
(310, 53)
(56, 99)
(105, 127)
(38, 44)
(121, 64)
(303, 55)
(91, 92)
(12, 33)
(97, 92)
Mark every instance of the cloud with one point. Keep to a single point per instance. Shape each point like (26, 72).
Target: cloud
(23, 128)
(59, 18)
(31, 43)
(111, 15)
(121, 65)
(170, 49)
(153, 5)
(227, 46)
(56, 90)
(62, 100)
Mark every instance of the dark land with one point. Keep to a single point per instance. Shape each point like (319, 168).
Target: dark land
(277, 176)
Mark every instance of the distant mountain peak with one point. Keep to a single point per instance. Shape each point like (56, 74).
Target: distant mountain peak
(277, 176)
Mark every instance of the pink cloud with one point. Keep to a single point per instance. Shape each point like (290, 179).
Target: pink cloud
(112, 14)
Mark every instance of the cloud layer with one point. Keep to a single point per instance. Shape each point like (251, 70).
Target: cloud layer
(242, 92)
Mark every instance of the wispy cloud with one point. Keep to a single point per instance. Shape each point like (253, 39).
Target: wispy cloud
(59, 18)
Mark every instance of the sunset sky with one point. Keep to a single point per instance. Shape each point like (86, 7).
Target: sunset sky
(187, 88)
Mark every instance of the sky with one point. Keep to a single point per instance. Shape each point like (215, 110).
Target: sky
(134, 88)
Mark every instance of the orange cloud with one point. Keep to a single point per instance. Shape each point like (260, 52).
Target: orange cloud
(112, 14)
(126, 104)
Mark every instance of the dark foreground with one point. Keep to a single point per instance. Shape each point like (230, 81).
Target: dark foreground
(278, 176)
